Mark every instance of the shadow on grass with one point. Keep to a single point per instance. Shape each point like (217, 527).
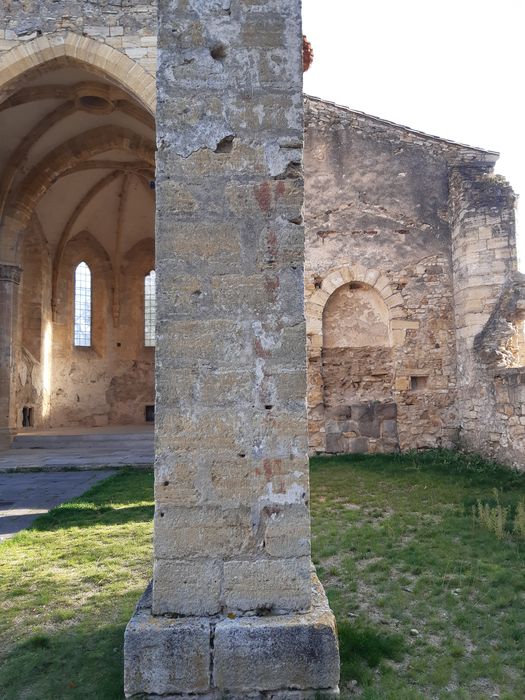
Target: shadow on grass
(362, 648)
(88, 515)
(470, 468)
(106, 503)
(75, 663)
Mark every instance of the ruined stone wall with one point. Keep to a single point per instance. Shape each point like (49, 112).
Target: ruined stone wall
(126, 25)
(377, 215)
(489, 307)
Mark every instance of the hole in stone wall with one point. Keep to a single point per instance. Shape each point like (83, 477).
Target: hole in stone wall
(218, 52)
(225, 145)
(417, 383)
(149, 413)
(27, 417)
(293, 171)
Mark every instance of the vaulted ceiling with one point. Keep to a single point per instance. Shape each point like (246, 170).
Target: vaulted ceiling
(77, 152)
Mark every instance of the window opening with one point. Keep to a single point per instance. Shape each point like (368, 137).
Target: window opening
(82, 305)
(27, 417)
(418, 383)
(149, 413)
(149, 309)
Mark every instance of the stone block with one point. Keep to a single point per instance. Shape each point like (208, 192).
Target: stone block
(285, 530)
(186, 587)
(165, 656)
(357, 445)
(402, 383)
(267, 584)
(335, 443)
(296, 652)
(202, 531)
(387, 410)
(293, 656)
(389, 428)
(370, 428)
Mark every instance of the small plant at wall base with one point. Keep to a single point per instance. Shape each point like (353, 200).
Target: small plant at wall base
(500, 519)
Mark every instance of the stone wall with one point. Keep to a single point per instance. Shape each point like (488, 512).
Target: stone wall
(129, 26)
(489, 298)
(110, 382)
(231, 420)
(377, 217)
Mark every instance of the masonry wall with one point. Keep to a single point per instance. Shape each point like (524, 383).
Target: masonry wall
(129, 26)
(377, 215)
(489, 309)
(231, 519)
(110, 382)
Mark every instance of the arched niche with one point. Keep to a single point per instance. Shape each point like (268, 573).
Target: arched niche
(356, 316)
(353, 317)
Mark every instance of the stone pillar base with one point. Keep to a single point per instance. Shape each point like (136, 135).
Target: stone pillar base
(277, 657)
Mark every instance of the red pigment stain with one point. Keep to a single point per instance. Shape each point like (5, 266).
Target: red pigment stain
(259, 350)
(280, 189)
(272, 244)
(272, 285)
(263, 194)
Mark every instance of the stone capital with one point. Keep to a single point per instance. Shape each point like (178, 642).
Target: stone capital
(10, 273)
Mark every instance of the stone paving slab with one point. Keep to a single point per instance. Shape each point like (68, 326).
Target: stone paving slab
(73, 459)
(23, 497)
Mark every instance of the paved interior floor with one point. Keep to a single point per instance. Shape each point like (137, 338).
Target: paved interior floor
(23, 497)
(79, 448)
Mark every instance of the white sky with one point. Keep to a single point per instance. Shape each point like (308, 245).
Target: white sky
(450, 68)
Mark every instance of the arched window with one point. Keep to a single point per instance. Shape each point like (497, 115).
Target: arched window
(82, 306)
(149, 310)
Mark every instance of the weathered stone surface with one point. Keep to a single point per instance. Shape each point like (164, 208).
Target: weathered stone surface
(285, 651)
(192, 587)
(165, 656)
(231, 419)
(294, 656)
(251, 585)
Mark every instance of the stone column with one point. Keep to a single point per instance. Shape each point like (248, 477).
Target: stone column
(235, 609)
(9, 285)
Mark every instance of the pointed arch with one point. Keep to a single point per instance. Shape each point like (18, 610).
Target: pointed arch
(99, 57)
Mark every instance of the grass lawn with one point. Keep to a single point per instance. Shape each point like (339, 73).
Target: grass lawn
(429, 602)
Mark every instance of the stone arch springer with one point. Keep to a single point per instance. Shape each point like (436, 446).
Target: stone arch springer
(337, 278)
(115, 64)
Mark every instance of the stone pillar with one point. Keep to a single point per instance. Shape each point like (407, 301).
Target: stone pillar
(235, 608)
(9, 285)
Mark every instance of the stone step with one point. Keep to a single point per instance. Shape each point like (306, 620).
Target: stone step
(142, 441)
